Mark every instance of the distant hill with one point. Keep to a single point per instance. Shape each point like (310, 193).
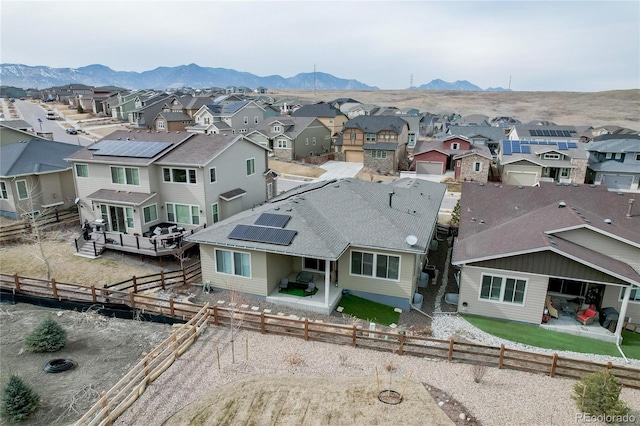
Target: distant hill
(191, 75)
(161, 78)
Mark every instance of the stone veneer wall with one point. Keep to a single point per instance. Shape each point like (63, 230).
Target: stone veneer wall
(579, 173)
(384, 165)
(468, 174)
(284, 154)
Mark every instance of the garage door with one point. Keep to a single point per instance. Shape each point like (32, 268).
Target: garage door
(355, 156)
(617, 181)
(524, 179)
(429, 167)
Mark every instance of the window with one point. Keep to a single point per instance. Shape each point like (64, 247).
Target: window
(182, 213)
(150, 213)
(179, 175)
(307, 141)
(313, 140)
(233, 263)
(245, 120)
(637, 157)
(251, 166)
(633, 297)
(125, 176)
(608, 156)
(3, 191)
(256, 119)
(23, 192)
(503, 289)
(477, 166)
(375, 265)
(212, 175)
(161, 124)
(370, 137)
(314, 264)
(376, 153)
(276, 129)
(206, 120)
(353, 136)
(215, 213)
(618, 156)
(269, 190)
(551, 156)
(128, 216)
(82, 170)
(564, 172)
(282, 143)
(412, 139)
(455, 146)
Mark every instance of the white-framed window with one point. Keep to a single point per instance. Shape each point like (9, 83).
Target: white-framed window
(245, 120)
(551, 156)
(503, 289)
(23, 190)
(306, 141)
(412, 139)
(125, 175)
(277, 128)
(183, 213)
(375, 265)
(82, 170)
(618, 156)
(233, 263)
(353, 136)
(313, 264)
(212, 175)
(608, 156)
(282, 144)
(161, 124)
(564, 172)
(455, 145)
(176, 175)
(251, 166)
(3, 191)
(370, 137)
(150, 213)
(256, 119)
(215, 213)
(313, 140)
(637, 157)
(128, 216)
(633, 297)
(269, 190)
(207, 120)
(477, 166)
(376, 153)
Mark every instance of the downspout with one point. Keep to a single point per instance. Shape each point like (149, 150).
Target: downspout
(621, 317)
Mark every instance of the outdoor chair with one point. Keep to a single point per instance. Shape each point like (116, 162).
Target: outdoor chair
(284, 284)
(310, 288)
(588, 316)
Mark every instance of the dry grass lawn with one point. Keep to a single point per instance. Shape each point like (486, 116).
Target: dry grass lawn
(297, 169)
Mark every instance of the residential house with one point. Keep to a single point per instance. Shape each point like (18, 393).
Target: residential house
(473, 120)
(147, 108)
(614, 161)
(34, 176)
(14, 131)
(379, 142)
(221, 118)
(550, 133)
(126, 103)
(577, 244)
(488, 136)
(133, 180)
(376, 250)
(529, 162)
(356, 110)
(408, 111)
(293, 138)
(327, 114)
(413, 133)
(469, 161)
(171, 121)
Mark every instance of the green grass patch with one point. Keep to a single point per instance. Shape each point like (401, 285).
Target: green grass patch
(368, 310)
(299, 292)
(541, 338)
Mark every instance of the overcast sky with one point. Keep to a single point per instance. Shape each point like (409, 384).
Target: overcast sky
(541, 46)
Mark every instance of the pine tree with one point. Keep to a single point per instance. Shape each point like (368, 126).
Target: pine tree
(598, 395)
(48, 336)
(19, 401)
(455, 215)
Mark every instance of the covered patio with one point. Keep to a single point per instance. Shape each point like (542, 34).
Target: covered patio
(322, 302)
(570, 325)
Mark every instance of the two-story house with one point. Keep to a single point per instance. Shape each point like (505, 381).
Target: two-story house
(146, 108)
(529, 162)
(133, 180)
(293, 138)
(614, 161)
(469, 161)
(379, 142)
(328, 115)
(546, 133)
(236, 117)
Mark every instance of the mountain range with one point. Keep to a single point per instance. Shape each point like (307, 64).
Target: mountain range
(192, 75)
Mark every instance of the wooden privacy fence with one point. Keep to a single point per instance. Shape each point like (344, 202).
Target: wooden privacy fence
(184, 276)
(396, 342)
(24, 227)
(116, 400)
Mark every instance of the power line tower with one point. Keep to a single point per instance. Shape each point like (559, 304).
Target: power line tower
(411, 81)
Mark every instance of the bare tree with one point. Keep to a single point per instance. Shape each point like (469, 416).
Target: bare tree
(236, 299)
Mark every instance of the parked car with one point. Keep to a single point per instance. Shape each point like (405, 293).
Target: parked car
(72, 131)
(51, 115)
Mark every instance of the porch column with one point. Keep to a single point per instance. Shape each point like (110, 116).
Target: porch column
(623, 313)
(327, 281)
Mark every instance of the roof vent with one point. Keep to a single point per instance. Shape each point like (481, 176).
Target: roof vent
(496, 185)
(277, 208)
(519, 186)
(481, 184)
(567, 184)
(411, 240)
(575, 184)
(592, 185)
(558, 184)
(607, 221)
(562, 204)
(620, 193)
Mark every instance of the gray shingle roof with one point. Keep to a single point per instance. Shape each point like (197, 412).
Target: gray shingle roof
(325, 229)
(375, 124)
(201, 149)
(316, 110)
(615, 144)
(34, 156)
(122, 197)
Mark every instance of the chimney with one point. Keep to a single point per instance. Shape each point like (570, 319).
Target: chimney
(391, 194)
(631, 201)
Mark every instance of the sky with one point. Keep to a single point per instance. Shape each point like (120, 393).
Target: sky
(582, 46)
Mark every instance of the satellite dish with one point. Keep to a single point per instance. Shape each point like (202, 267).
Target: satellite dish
(412, 240)
(77, 200)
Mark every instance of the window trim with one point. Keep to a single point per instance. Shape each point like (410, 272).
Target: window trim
(144, 216)
(477, 169)
(26, 189)
(188, 174)
(233, 252)
(374, 265)
(215, 175)
(125, 175)
(253, 166)
(551, 156)
(318, 261)
(172, 210)
(86, 167)
(215, 213)
(503, 286)
(635, 299)
(4, 195)
(379, 154)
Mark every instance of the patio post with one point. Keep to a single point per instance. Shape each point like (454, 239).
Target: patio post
(327, 281)
(623, 314)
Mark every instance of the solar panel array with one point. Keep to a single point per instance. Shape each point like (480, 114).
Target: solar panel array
(510, 147)
(273, 220)
(554, 133)
(263, 234)
(136, 149)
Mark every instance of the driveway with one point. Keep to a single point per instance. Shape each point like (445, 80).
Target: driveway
(339, 170)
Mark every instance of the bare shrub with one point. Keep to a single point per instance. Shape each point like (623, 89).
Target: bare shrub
(294, 358)
(478, 371)
(343, 358)
(422, 330)
(390, 366)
